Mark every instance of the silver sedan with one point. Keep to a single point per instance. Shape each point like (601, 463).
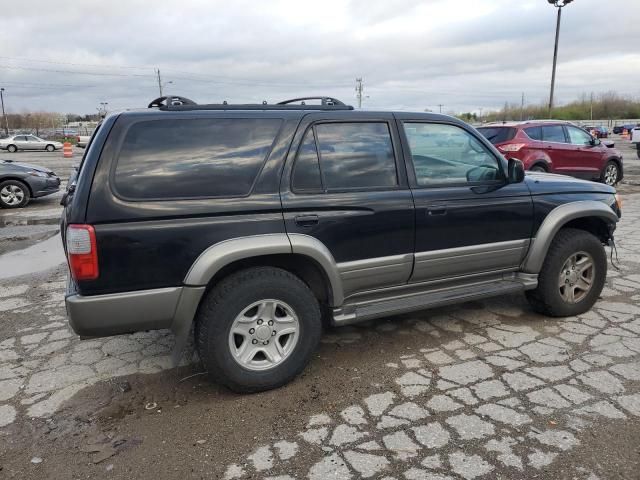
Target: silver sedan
(28, 142)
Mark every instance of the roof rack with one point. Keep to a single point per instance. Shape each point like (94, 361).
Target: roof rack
(178, 103)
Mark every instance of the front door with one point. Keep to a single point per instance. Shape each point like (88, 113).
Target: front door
(34, 143)
(469, 220)
(584, 158)
(345, 185)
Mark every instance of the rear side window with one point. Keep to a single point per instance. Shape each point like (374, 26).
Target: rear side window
(498, 134)
(203, 157)
(306, 172)
(534, 133)
(553, 133)
(356, 155)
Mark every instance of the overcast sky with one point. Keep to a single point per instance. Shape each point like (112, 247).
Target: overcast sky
(69, 56)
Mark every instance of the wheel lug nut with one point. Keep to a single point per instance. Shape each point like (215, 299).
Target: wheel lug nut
(273, 334)
(266, 342)
(252, 331)
(260, 322)
(254, 341)
(270, 322)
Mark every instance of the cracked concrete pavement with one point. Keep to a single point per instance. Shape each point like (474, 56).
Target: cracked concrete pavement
(481, 390)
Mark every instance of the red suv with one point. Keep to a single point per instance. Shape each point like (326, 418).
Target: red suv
(557, 147)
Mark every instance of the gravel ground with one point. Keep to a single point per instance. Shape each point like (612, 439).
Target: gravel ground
(482, 390)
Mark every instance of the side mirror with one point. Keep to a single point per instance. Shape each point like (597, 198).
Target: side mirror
(595, 141)
(515, 171)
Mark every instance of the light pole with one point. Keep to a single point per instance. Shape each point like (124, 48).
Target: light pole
(164, 85)
(558, 4)
(6, 120)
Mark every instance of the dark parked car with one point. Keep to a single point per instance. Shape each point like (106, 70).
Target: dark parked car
(557, 147)
(619, 129)
(260, 224)
(20, 182)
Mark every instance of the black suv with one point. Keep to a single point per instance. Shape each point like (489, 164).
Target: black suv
(258, 224)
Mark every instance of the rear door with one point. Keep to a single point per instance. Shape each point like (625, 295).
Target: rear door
(345, 185)
(469, 221)
(21, 142)
(556, 143)
(584, 157)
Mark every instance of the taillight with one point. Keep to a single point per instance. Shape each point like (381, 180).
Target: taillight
(82, 252)
(511, 147)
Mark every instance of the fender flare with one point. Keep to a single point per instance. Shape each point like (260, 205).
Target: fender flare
(555, 220)
(226, 252)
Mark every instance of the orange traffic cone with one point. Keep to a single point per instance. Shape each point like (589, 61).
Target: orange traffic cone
(67, 150)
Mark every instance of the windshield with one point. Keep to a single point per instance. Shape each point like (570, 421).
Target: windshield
(498, 134)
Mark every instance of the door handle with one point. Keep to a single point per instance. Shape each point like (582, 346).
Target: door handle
(307, 220)
(436, 210)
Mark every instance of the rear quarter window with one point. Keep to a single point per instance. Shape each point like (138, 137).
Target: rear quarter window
(190, 158)
(498, 134)
(534, 133)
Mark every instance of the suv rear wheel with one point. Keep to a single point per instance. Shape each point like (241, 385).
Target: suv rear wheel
(572, 276)
(257, 329)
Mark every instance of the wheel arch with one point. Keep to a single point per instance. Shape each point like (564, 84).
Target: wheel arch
(590, 215)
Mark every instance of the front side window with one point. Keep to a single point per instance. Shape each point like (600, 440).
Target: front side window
(553, 133)
(356, 155)
(446, 154)
(190, 158)
(578, 136)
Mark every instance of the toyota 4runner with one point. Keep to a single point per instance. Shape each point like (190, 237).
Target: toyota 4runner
(252, 226)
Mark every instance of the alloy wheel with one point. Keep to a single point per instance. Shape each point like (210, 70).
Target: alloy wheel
(264, 334)
(611, 174)
(576, 277)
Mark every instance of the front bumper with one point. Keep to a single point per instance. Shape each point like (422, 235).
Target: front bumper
(44, 186)
(117, 313)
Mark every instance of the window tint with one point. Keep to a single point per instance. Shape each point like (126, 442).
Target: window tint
(534, 133)
(578, 136)
(193, 157)
(31, 138)
(446, 154)
(306, 171)
(21, 138)
(356, 155)
(553, 133)
(498, 134)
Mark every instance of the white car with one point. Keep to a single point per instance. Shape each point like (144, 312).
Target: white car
(635, 136)
(28, 142)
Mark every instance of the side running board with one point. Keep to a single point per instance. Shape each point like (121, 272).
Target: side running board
(357, 312)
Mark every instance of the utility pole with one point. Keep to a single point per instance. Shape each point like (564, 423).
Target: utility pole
(559, 4)
(440, 105)
(159, 81)
(480, 114)
(6, 120)
(591, 107)
(522, 108)
(359, 89)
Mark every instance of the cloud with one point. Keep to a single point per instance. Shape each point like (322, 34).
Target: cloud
(412, 54)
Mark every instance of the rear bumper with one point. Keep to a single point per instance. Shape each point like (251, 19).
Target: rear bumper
(117, 313)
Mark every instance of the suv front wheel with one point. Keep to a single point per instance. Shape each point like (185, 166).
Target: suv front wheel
(257, 329)
(572, 276)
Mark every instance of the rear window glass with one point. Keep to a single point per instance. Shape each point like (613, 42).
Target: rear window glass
(498, 134)
(534, 133)
(204, 157)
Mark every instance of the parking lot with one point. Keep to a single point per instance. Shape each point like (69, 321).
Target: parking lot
(482, 390)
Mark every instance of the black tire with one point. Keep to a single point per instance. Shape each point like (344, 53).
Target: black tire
(546, 298)
(50, 148)
(14, 186)
(12, 148)
(539, 168)
(232, 296)
(611, 173)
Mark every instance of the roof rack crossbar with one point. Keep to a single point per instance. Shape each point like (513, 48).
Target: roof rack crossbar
(182, 104)
(323, 101)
